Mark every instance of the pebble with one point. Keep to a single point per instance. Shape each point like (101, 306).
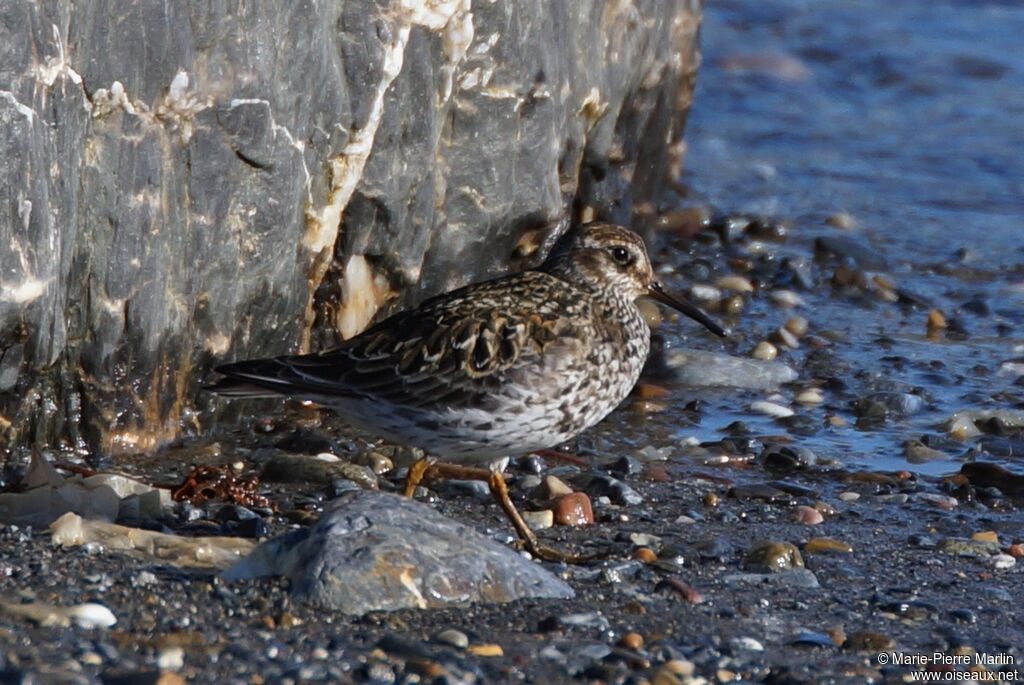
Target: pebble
(772, 557)
(644, 554)
(91, 615)
(986, 536)
(963, 547)
(746, 644)
(539, 520)
(486, 650)
(634, 641)
(645, 540)
(797, 325)
(705, 293)
(650, 391)
(936, 321)
(786, 298)
(841, 220)
(937, 500)
(736, 284)
(810, 396)
(171, 659)
(917, 452)
(573, 509)
(600, 485)
(555, 487)
(453, 637)
(651, 313)
(772, 409)
(732, 306)
(795, 578)
(765, 351)
(809, 516)
(868, 641)
(680, 589)
(827, 546)
(700, 368)
(809, 638)
(760, 491)
(787, 457)
(786, 339)
(849, 496)
(1003, 561)
(684, 221)
(529, 482)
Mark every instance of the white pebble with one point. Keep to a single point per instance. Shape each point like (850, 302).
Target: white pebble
(539, 520)
(706, 293)
(772, 409)
(736, 284)
(786, 298)
(810, 396)
(90, 615)
(327, 457)
(748, 644)
(849, 496)
(962, 428)
(171, 659)
(940, 501)
(786, 339)
(1011, 368)
(1003, 561)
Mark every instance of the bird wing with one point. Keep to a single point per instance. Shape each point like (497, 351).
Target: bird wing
(451, 349)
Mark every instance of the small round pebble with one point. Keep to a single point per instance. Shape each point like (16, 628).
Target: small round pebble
(634, 641)
(736, 284)
(573, 509)
(797, 325)
(453, 637)
(809, 516)
(765, 351)
(809, 396)
(644, 554)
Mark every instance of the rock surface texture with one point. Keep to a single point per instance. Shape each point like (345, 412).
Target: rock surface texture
(186, 184)
(375, 551)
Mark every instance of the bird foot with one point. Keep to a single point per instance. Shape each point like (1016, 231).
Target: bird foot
(428, 469)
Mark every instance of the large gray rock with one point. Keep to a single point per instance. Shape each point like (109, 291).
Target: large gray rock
(185, 182)
(373, 551)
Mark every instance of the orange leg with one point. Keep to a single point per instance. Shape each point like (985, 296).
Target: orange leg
(427, 469)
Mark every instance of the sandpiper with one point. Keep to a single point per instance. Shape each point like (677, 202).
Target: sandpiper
(499, 368)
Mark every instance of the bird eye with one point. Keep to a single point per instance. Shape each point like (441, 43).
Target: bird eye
(621, 256)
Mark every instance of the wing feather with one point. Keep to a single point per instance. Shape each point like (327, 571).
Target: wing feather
(450, 350)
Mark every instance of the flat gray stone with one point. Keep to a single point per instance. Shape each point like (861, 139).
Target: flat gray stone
(698, 368)
(375, 551)
(796, 578)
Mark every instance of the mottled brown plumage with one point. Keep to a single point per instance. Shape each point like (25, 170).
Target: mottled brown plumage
(501, 367)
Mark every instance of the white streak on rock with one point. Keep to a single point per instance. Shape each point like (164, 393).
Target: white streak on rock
(57, 66)
(23, 110)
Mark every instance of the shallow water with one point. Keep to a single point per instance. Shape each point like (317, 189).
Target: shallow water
(909, 117)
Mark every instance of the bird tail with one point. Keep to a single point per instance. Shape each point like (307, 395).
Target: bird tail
(255, 379)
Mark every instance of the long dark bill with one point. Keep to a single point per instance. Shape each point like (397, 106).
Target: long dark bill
(658, 292)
